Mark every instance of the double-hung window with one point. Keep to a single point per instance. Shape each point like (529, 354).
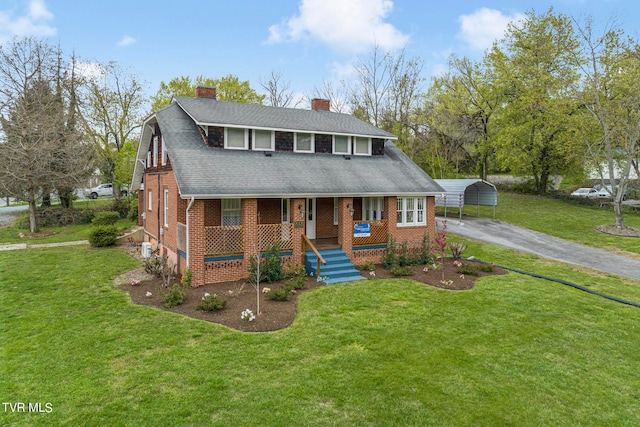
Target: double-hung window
(304, 142)
(341, 144)
(411, 211)
(231, 212)
(236, 139)
(263, 140)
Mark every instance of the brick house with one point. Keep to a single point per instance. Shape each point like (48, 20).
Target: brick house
(219, 181)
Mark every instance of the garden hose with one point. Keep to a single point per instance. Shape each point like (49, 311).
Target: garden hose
(562, 282)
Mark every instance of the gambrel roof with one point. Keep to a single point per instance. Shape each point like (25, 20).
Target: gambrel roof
(206, 173)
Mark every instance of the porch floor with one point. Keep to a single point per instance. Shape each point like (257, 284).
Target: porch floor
(328, 243)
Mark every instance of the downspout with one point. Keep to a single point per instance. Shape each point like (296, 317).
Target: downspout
(188, 209)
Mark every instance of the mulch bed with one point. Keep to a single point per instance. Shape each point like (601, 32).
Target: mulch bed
(275, 315)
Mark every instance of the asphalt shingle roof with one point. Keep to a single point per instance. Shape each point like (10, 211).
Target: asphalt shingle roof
(209, 111)
(204, 172)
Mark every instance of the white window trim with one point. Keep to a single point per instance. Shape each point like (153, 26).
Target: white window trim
(285, 202)
(333, 145)
(164, 154)
(150, 200)
(313, 143)
(415, 212)
(246, 139)
(155, 151)
(166, 207)
(273, 140)
(336, 205)
(368, 153)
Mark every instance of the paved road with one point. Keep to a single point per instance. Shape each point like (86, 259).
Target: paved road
(8, 213)
(522, 239)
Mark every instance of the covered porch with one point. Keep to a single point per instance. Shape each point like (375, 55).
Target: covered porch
(218, 237)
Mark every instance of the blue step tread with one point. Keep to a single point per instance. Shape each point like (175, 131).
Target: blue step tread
(338, 269)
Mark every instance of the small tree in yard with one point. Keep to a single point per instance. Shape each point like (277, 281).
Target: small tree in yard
(441, 242)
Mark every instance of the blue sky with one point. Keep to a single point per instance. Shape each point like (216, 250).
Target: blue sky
(306, 40)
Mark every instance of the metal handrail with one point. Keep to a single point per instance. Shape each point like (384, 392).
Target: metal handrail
(315, 251)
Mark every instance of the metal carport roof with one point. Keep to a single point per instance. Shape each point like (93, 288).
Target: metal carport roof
(460, 192)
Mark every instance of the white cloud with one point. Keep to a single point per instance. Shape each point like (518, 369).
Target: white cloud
(127, 41)
(484, 26)
(350, 26)
(34, 23)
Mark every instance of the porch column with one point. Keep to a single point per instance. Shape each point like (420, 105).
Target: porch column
(431, 216)
(345, 225)
(249, 221)
(390, 210)
(297, 219)
(197, 237)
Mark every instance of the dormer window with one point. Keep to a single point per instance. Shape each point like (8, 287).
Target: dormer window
(304, 143)
(341, 144)
(362, 146)
(236, 139)
(263, 140)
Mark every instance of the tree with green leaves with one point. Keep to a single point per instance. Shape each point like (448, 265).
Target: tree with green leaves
(462, 102)
(534, 65)
(228, 88)
(41, 147)
(610, 92)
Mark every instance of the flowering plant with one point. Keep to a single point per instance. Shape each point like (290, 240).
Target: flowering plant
(322, 279)
(457, 263)
(248, 316)
(135, 282)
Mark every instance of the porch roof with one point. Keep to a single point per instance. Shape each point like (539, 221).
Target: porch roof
(205, 173)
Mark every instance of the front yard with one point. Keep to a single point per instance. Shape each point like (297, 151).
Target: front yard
(513, 350)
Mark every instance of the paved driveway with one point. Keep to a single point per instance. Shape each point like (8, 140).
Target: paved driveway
(522, 239)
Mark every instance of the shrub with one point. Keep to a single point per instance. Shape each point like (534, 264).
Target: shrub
(270, 269)
(404, 259)
(297, 277)
(426, 251)
(487, 268)
(103, 235)
(173, 297)
(471, 270)
(397, 270)
(133, 209)
(211, 303)
(368, 265)
(186, 278)
(121, 205)
(389, 258)
(106, 218)
(281, 294)
(457, 249)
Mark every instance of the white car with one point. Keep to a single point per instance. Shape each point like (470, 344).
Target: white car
(103, 190)
(585, 192)
(607, 193)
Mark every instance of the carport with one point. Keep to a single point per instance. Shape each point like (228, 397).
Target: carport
(460, 192)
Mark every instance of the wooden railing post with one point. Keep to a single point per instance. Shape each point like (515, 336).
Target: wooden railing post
(319, 257)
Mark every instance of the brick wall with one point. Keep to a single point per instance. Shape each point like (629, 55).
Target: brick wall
(345, 224)
(324, 219)
(212, 213)
(270, 211)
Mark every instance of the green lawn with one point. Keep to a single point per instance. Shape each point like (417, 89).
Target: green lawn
(513, 351)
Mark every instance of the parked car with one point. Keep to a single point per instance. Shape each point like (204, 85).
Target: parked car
(607, 193)
(103, 190)
(585, 192)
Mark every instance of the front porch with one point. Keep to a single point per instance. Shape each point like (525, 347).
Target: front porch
(218, 237)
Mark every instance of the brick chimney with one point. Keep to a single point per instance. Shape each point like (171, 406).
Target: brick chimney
(206, 92)
(320, 104)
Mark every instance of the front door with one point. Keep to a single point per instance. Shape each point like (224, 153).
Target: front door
(311, 218)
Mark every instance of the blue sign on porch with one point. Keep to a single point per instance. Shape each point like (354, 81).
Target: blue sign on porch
(361, 230)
